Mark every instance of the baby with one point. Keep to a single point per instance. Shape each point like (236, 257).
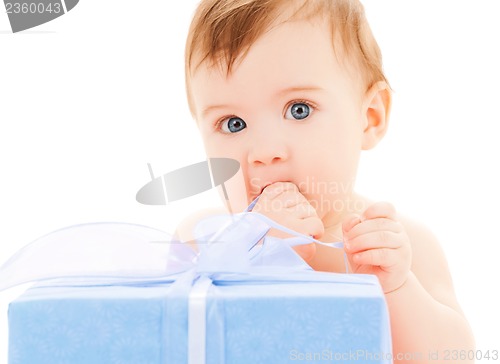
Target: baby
(294, 90)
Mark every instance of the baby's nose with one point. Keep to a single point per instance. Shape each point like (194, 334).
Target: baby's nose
(267, 150)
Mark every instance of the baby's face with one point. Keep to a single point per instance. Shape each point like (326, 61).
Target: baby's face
(288, 112)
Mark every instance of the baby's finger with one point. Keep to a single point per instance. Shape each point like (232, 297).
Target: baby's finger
(379, 209)
(379, 257)
(274, 190)
(303, 210)
(312, 226)
(277, 199)
(373, 240)
(291, 199)
(284, 199)
(350, 222)
(375, 225)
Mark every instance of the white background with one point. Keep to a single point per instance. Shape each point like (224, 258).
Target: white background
(89, 98)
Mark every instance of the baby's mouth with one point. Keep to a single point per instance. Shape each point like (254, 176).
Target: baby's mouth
(263, 188)
(257, 193)
(269, 184)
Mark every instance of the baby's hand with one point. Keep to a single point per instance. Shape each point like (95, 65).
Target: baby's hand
(283, 203)
(376, 243)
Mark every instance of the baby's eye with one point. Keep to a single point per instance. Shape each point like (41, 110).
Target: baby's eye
(233, 125)
(298, 111)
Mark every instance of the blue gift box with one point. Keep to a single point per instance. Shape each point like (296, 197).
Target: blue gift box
(328, 320)
(244, 298)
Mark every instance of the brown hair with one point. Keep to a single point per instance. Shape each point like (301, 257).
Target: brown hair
(223, 30)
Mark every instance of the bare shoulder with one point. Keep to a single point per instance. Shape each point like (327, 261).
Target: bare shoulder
(429, 263)
(184, 231)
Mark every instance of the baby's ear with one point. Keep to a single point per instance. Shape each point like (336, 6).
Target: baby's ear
(376, 110)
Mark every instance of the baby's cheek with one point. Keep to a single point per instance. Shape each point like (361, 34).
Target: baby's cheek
(236, 192)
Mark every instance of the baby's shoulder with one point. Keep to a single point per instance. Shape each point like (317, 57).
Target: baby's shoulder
(429, 263)
(424, 243)
(422, 239)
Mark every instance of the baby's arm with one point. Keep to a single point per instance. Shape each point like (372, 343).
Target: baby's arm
(426, 318)
(425, 313)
